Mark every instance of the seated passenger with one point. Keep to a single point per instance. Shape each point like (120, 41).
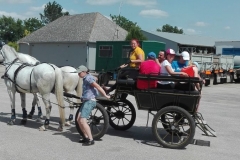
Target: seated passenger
(148, 67)
(166, 69)
(192, 71)
(182, 62)
(136, 56)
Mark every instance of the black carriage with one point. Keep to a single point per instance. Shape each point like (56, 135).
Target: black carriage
(175, 111)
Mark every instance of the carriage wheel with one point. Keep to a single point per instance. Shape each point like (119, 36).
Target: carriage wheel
(98, 121)
(122, 115)
(176, 130)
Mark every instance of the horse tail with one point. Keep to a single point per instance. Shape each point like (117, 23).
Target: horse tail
(79, 89)
(59, 93)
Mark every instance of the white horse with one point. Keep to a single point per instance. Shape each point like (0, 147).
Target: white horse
(71, 82)
(43, 79)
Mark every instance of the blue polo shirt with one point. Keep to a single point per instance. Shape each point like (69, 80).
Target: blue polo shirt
(178, 66)
(89, 92)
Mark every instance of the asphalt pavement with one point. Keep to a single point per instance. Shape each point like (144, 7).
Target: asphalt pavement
(219, 106)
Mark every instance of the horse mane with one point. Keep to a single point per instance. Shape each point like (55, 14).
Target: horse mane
(14, 51)
(20, 56)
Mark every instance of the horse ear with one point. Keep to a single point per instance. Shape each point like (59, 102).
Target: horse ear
(1, 44)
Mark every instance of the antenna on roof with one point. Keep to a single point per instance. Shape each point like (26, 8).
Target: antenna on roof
(119, 13)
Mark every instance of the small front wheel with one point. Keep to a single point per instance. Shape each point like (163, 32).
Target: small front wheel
(122, 115)
(173, 127)
(98, 122)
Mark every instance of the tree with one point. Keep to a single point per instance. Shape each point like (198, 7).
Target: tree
(32, 24)
(123, 22)
(135, 33)
(52, 11)
(170, 29)
(11, 29)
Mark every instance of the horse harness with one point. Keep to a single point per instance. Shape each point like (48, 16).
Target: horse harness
(23, 65)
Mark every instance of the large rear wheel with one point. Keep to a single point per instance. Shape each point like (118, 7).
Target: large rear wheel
(173, 127)
(98, 122)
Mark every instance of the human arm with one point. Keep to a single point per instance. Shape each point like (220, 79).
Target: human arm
(139, 59)
(157, 61)
(195, 69)
(171, 72)
(95, 85)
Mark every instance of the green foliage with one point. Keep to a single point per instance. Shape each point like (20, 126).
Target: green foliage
(52, 11)
(32, 24)
(170, 29)
(123, 22)
(11, 29)
(135, 33)
(14, 45)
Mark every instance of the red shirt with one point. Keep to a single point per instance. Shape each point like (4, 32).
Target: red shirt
(148, 67)
(189, 70)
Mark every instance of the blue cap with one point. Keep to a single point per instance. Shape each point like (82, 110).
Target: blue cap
(152, 55)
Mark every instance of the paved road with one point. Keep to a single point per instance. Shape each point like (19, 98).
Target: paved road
(219, 105)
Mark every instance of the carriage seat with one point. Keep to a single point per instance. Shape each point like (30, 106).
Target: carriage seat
(126, 82)
(174, 91)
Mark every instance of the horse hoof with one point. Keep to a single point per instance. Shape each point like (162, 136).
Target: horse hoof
(29, 116)
(11, 122)
(23, 122)
(42, 128)
(68, 123)
(60, 129)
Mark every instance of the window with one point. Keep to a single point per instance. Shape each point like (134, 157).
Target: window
(106, 51)
(125, 51)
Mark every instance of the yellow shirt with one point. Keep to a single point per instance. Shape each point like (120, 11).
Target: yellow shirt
(134, 56)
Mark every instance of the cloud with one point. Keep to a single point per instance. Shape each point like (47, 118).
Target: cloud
(147, 3)
(15, 1)
(191, 31)
(102, 2)
(201, 24)
(37, 9)
(12, 14)
(154, 13)
(227, 28)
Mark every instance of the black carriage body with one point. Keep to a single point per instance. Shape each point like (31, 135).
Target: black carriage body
(154, 99)
(157, 99)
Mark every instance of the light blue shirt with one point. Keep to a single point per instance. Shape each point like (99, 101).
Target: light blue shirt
(178, 66)
(89, 92)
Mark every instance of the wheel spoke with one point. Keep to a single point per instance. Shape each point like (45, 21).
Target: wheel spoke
(95, 112)
(126, 119)
(123, 121)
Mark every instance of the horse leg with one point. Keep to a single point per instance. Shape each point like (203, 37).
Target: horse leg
(70, 118)
(48, 106)
(13, 114)
(23, 104)
(34, 103)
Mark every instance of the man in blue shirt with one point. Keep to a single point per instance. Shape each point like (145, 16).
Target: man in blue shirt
(90, 88)
(182, 62)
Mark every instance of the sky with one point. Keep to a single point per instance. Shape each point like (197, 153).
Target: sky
(209, 18)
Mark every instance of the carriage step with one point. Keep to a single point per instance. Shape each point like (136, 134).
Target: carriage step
(201, 122)
(210, 133)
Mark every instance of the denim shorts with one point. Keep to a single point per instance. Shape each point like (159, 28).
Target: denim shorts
(87, 108)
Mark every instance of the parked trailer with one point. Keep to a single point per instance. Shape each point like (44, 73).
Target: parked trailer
(205, 63)
(223, 66)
